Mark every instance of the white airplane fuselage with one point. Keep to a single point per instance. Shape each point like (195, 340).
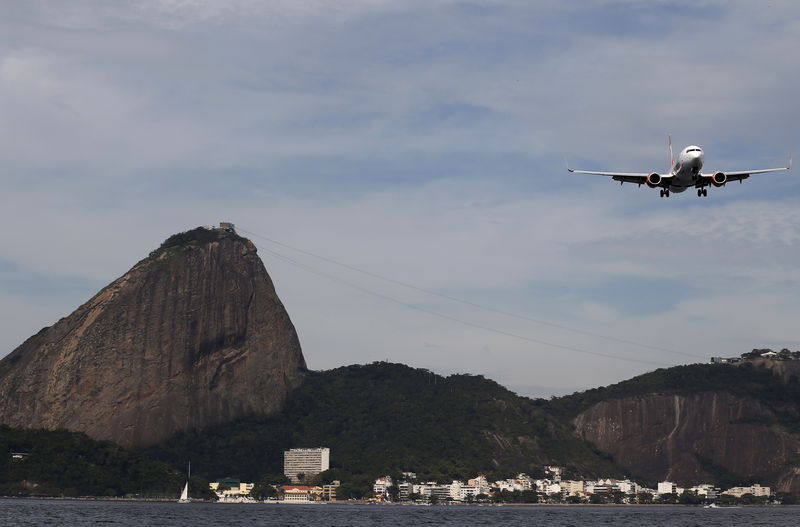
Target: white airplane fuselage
(686, 170)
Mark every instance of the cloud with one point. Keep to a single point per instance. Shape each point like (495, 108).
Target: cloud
(422, 141)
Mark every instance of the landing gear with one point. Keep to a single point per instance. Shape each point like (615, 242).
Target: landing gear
(664, 192)
(702, 192)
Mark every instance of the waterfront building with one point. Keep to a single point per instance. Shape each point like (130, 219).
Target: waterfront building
(552, 488)
(481, 483)
(667, 487)
(755, 490)
(329, 491)
(301, 464)
(432, 490)
(571, 488)
(705, 489)
(406, 489)
(381, 486)
(554, 471)
(298, 493)
(460, 491)
(504, 485)
(627, 486)
(232, 489)
(524, 481)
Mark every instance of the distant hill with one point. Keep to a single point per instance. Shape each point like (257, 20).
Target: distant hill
(61, 463)
(700, 423)
(725, 423)
(384, 418)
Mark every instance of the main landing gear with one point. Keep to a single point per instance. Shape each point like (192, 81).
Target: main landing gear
(664, 192)
(702, 192)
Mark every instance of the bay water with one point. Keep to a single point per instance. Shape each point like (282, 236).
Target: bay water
(69, 513)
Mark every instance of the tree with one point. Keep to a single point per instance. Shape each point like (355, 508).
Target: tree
(618, 496)
(529, 496)
(598, 498)
(264, 490)
(689, 498)
(644, 497)
(394, 492)
(786, 498)
(668, 498)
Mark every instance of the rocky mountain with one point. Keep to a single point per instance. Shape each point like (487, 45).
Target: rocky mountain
(193, 335)
(717, 422)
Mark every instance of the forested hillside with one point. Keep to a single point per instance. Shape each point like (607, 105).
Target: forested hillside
(61, 463)
(384, 418)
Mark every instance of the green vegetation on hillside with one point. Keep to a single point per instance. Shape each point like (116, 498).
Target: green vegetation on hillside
(385, 418)
(197, 236)
(61, 463)
(378, 419)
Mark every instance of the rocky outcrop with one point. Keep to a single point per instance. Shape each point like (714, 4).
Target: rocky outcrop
(686, 438)
(786, 370)
(191, 336)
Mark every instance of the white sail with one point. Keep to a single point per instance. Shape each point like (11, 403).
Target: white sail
(185, 494)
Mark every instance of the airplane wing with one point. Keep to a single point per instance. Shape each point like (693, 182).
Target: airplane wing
(744, 174)
(640, 178)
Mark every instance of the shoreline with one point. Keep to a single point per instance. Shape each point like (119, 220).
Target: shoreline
(395, 504)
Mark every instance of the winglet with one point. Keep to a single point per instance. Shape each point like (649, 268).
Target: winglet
(790, 163)
(567, 165)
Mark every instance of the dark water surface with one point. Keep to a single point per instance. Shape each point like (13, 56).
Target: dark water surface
(98, 513)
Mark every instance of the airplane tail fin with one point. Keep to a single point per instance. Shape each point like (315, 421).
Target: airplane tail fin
(671, 155)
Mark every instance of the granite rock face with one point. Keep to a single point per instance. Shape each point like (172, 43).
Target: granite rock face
(193, 335)
(677, 437)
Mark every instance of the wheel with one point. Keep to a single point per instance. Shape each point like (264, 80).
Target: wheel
(666, 192)
(699, 192)
(705, 192)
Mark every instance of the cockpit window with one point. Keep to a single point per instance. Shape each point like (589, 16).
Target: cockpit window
(693, 150)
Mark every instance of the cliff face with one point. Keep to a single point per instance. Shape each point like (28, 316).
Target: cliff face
(689, 438)
(191, 336)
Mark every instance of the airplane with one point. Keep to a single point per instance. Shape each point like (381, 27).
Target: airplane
(685, 173)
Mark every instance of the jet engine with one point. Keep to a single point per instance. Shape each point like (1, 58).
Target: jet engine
(653, 180)
(718, 179)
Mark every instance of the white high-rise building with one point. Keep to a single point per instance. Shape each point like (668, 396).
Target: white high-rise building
(667, 487)
(306, 461)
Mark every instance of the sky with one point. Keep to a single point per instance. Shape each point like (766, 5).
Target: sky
(423, 142)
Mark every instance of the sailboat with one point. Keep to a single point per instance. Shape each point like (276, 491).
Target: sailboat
(185, 494)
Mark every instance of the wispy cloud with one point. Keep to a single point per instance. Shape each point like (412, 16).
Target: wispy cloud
(423, 141)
